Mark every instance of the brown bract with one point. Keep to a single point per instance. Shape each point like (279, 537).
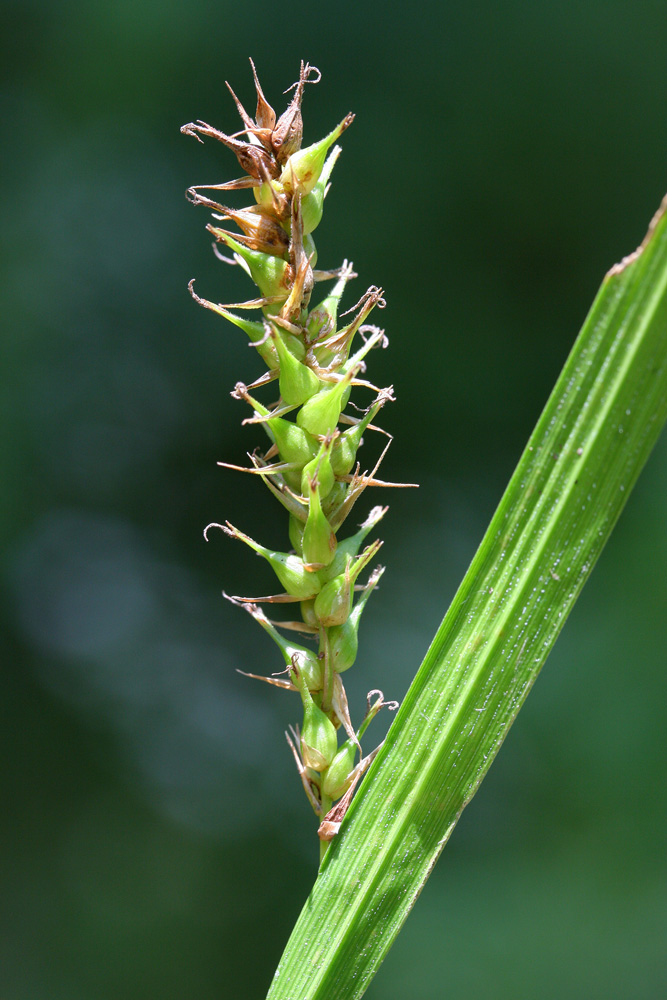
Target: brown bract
(252, 158)
(273, 226)
(288, 133)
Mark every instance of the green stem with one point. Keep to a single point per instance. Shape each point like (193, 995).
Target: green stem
(326, 806)
(328, 685)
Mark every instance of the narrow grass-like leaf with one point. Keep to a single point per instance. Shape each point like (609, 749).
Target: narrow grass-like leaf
(595, 434)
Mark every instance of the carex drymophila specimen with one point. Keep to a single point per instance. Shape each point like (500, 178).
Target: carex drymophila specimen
(314, 357)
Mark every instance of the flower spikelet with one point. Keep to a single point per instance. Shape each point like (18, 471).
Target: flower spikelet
(314, 357)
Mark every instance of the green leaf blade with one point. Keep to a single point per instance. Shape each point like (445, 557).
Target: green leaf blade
(590, 444)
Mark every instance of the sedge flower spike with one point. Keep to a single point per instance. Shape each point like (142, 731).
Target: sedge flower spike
(310, 462)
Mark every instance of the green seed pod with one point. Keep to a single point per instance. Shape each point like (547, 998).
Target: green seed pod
(319, 415)
(319, 468)
(319, 741)
(345, 448)
(296, 527)
(308, 612)
(325, 477)
(297, 382)
(325, 315)
(335, 500)
(254, 330)
(290, 570)
(310, 250)
(295, 445)
(293, 575)
(309, 664)
(344, 454)
(270, 274)
(294, 345)
(272, 197)
(312, 205)
(256, 334)
(344, 639)
(334, 601)
(332, 352)
(349, 547)
(344, 644)
(319, 541)
(303, 169)
(338, 778)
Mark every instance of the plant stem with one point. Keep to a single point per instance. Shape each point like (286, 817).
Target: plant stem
(326, 806)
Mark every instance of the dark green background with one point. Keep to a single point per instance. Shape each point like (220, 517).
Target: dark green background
(155, 842)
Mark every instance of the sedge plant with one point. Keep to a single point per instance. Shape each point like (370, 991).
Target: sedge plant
(592, 440)
(315, 357)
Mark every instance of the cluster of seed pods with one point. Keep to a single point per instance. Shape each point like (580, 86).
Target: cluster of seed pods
(310, 462)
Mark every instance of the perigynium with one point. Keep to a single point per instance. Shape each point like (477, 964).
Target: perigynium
(314, 356)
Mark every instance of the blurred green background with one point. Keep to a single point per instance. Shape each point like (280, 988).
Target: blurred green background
(156, 844)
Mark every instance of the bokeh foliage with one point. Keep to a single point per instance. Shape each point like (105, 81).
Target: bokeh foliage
(155, 843)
